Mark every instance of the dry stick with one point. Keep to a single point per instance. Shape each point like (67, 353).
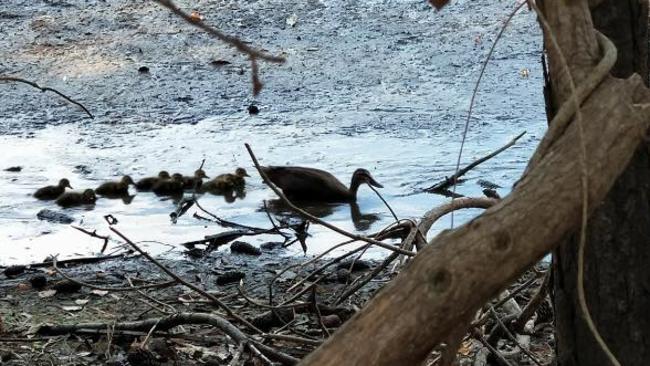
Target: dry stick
(189, 285)
(533, 304)
(168, 322)
(592, 82)
(505, 299)
(315, 219)
(475, 92)
(94, 235)
(110, 289)
(459, 173)
(477, 334)
(250, 300)
(235, 42)
(513, 338)
(282, 337)
(44, 89)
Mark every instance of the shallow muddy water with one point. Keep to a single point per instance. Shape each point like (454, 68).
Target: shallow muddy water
(385, 87)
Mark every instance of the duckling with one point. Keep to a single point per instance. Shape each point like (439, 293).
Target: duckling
(169, 187)
(194, 181)
(52, 192)
(70, 199)
(146, 184)
(225, 182)
(115, 188)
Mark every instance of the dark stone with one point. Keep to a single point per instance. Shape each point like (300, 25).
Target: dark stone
(267, 321)
(220, 62)
(253, 109)
(331, 321)
(358, 265)
(14, 169)
(271, 245)
(54, 216)
(13, 271)
(143, 70)
(66, 287)
(491, 193)
(343, 275)
(38, 282)
(244, 248)
(230, 277)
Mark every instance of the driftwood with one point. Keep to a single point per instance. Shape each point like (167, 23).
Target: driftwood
(463, 268)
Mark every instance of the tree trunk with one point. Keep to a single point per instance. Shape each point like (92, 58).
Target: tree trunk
(617, 274)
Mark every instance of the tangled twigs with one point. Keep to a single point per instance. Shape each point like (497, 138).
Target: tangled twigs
(235, 42)
(189, 285)
(168, 322)
(94, 235)
(449, 181)
(44, 89)
(315, 219)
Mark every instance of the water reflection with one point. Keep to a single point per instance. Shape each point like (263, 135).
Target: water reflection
(361, 221)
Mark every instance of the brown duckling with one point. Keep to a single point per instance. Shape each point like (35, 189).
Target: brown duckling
(115, 188)
(146, 184)
(225, 182)
(52, 192)
(309, 184)
(169, 187)
(194, 181)
(70, 199)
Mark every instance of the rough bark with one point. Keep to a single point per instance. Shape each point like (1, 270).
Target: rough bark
(618, 233)
(462, 269)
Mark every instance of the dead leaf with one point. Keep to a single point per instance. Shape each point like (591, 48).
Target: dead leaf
(81, 302)
(72, 308)
(23, 287)
(465, 348)
(99, 292)
(438, 4)
(46, 294)
(292, 20)
(196, 17)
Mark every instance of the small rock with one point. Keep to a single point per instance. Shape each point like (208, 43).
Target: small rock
(244, 248)
(220, 62)
(54, 216)
(38, 282)
(271, 319)
(143, 70)
(343, 275)
(331, 321)
(66, 287)
(13, 271)
(14, 169)
(358, 265)
(491, 193)
(230, 277)
(271, 245)
(253, 109)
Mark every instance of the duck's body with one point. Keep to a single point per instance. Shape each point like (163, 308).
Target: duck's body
(169, 187)
(52, 192)
(70, 199)
(310, 184)
(115, 188)
(226, 182)
(195, 181)
(146, 184)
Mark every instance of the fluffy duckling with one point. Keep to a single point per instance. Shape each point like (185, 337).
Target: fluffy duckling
(225, 182)
(146, 184)
(115, 188)
(52, 192)
(169, 187)
(194, 181)
(70, 199)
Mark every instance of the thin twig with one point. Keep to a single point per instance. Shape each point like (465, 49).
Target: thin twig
(46, 88)
(94, 235)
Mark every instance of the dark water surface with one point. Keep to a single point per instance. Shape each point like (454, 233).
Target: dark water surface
(385, 87)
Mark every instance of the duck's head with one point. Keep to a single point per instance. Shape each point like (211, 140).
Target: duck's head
(89, 195)
(127, 180)
(241, 172)
(363, 176)
(200, 173)
(177, 177)
(163, 174)
(64, 183)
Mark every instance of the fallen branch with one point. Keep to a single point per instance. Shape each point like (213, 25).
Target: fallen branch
(450, 181)
(171, 321)
(44, 89)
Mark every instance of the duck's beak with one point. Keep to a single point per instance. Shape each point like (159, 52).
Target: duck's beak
(373, 182)
(246, 174)
(69, 186)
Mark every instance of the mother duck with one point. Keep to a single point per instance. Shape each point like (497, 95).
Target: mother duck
(309, 184)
